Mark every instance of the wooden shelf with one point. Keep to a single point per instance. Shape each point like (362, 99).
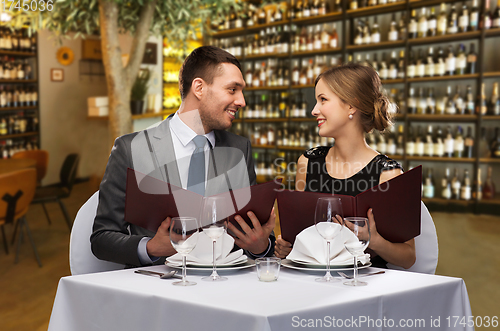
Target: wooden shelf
(302, 86)
(293, 148)
(18, 135)
(259, 27)
(228, 33)
(376, 46)
(16, 53)
(376, 10)
(491, 117)
(492, 32)
(318, 52)
(489, 160)
(442, 118)
(19, 81)
(18, 108)
(302, 119)
(428, 3)
(441, 78)
(461, 36)
(440, 159)
(392, 81)
(330, 17)
(263, 146)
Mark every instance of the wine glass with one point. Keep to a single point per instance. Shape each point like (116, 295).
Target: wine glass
(329, 222)
(214, 224)
(361, 228)
(183, 236)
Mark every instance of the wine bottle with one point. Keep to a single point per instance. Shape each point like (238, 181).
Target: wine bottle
(495, 145)
(439, 143)
(375, 33)
(422, 24)
(461, 61)
(484, 146)
(466, 189)
(463, 20)
(429, 63)
(452, 20)
(446, 191)
(477, 190)
(420, 142)
(412, 101)
(482, 106)
(469, 143)
(489, 186)
(429, 185)
(421, 101)
(432, 23)
(459, 101)
(450, 62)
(449, 143)
(470, 106)
(485, 22)
(393, 66)
(442, 22)
(393, 34)
(494, 107)
(440, 64)
(496, 16)
(455, 185)
(420, 64)
(459, 145)
(471, 60)
(450, 103)
(411, 67)
(474, 16)
(431, 102)
(413, 25)
(429, 142)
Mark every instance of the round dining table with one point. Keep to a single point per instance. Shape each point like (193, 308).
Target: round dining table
(10, 165)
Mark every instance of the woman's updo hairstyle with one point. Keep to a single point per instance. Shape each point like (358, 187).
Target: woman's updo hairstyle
(360, 87)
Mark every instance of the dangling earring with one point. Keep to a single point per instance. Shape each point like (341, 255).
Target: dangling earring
(350, 116)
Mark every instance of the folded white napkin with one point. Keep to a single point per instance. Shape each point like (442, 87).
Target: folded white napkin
(202, 253)
(310, 247)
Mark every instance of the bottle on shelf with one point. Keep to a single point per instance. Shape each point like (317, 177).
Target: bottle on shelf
(421, 102)
(393, 34)
(411, 67)
(459, 101)
(459, 143)
(471, 59)
(412, 101)
(449, 143)
(452, 20)
(474, 16)
(400, 141)
(495, 23)
(410, 142)
(375, 32)
(494, 106)
(431, 102)
(450, 107)
(439, 146)
(477, 189)
(484, 146)
(429, 63)
(420, 64)
(440, 64)
(446, 190)
(422, 28)
(450, 62)
(495, 144)
(470, 105)
(469, 143)
(466, 188)
(461, 61)
(455, 185)
(420, 142)
(463, 19)
(485, 22)
(488, 187)
(428, 191)
(442, 21)
(413, 25)
(402, 27)
(429, 142)
(482, 105)
(432, 23)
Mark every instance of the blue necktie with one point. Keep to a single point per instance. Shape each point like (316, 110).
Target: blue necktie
(196, 176)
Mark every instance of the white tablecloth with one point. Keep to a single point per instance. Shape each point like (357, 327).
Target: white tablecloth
(123, 300)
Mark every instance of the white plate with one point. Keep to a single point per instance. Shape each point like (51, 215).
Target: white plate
(315, 265)
(318, 267)
(246, 264)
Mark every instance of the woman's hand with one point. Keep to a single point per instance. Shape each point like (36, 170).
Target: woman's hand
(282, 248)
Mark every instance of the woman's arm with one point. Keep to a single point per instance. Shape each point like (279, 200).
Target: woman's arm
(400, 254)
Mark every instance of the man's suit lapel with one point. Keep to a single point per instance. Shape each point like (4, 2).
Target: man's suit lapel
(163, 150)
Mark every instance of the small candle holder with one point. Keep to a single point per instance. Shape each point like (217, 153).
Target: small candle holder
(268, 268)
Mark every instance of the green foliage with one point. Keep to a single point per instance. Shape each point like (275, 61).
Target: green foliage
(140, 87)
(177, 20)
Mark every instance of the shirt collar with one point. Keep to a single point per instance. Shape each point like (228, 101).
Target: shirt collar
(185, 134)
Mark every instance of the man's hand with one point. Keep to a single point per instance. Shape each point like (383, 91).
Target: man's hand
(160, 244)
(282, 248)
(254, 240)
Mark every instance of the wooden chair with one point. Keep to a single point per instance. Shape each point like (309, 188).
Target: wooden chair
(17, 190)
(61, 190)
(42, 161)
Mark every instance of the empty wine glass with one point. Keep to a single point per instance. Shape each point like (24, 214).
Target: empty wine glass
(361, 228)
(329, 222)
(214, 224)
(183, 236)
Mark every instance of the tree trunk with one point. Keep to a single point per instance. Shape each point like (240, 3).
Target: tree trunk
(119, 80)
(120, 119)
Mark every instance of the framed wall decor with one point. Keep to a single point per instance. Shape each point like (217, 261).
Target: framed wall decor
(57, 75)
(150, 56)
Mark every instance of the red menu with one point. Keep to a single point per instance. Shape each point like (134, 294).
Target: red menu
(149, 201)
(395, 203)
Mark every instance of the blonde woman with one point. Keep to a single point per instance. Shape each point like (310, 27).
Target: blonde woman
(349, 103)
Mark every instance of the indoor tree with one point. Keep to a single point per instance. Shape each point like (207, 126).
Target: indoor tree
(177, 20)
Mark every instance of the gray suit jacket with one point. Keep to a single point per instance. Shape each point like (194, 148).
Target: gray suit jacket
(151, 152)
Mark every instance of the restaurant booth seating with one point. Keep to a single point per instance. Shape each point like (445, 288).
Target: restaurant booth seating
(17, 189)
(81, 258)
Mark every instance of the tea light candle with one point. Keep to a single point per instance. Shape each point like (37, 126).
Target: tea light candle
(267, 276)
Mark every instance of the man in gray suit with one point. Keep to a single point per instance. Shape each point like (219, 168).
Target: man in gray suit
(211, 85)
